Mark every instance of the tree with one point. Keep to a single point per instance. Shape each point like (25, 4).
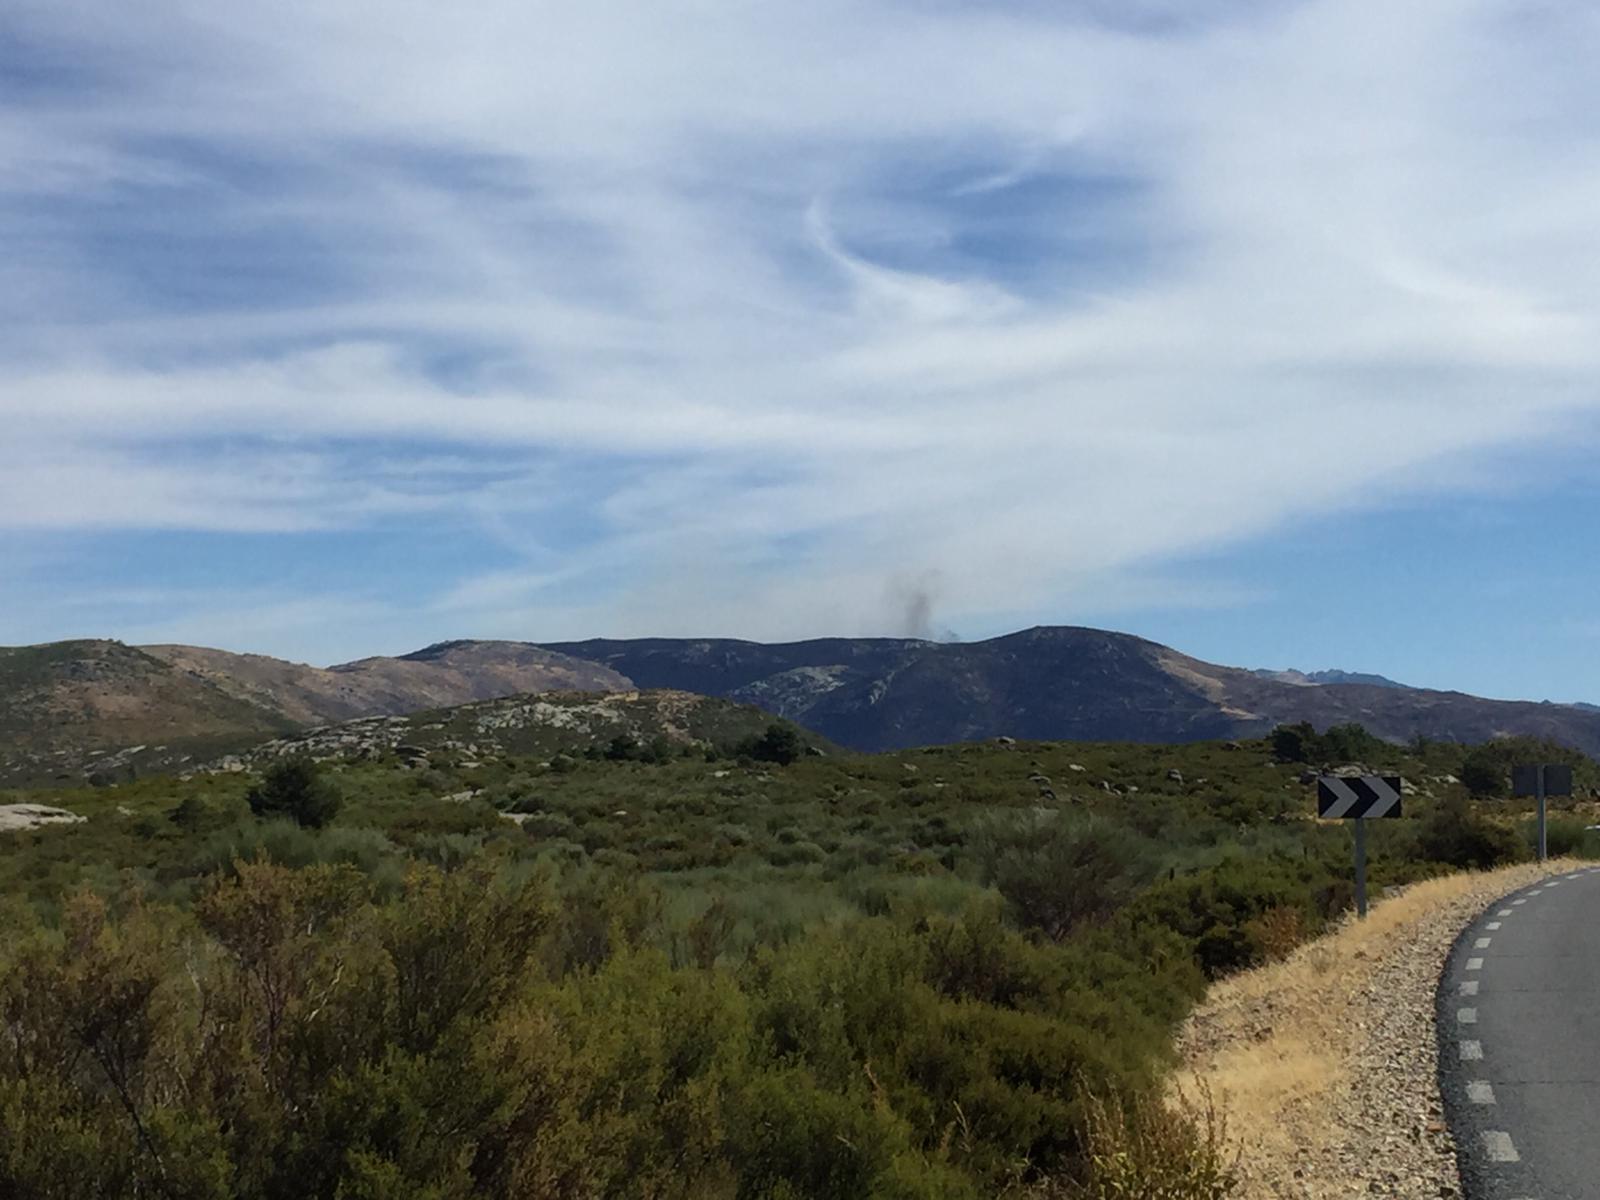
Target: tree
(296, 788)
(1294, 743)
(1349, 743)
(779, 744)
(1483, 771)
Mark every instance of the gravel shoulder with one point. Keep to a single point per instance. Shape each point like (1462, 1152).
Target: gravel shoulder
(1325, 1065)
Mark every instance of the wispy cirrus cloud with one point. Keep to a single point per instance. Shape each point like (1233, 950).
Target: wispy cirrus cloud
(697, 313)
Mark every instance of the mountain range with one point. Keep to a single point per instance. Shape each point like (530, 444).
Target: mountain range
(65, 704)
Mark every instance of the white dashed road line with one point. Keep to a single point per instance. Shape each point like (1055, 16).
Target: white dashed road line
(1497, 1145)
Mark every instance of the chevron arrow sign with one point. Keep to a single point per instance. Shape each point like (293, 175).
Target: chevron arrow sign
(1356, 796)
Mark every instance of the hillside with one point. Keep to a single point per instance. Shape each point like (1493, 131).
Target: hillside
(61, 702)
(452, 673)
(539, 726)
(1054, 683)
(68, 709)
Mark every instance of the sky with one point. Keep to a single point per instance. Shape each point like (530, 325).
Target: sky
(1267, 330)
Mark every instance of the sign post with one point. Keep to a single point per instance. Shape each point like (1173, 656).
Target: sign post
(1541, 781)
(1357, 798)
(1361, 867)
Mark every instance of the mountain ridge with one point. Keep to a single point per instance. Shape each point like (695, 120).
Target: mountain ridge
(1054, 683)
(66, 707)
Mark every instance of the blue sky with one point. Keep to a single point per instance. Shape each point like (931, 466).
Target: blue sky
(339, 327)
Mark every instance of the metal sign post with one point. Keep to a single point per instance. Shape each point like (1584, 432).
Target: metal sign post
(1544, 832)
(1542, 781)
(1356, 798)
(1361, 867)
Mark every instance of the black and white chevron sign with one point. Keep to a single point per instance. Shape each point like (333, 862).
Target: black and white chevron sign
(1351, 796)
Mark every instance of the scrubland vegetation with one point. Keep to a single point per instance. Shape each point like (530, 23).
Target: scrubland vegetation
(662, 971)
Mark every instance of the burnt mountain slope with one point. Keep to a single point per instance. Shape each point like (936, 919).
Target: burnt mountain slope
(1052, 683)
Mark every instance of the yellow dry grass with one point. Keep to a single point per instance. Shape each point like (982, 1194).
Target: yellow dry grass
(1274, 1045)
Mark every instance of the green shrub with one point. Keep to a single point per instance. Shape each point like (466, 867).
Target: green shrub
(1058, 872)
(780, 744)
(296, 788)
(1459, 835)
(1223, 913)
(1564, 836)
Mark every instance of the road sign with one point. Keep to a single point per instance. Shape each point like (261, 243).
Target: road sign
(1541, 780)
(1356, 797)
(1557, 780)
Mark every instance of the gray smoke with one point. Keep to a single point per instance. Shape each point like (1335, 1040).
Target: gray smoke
(911, 603)
(918, 622)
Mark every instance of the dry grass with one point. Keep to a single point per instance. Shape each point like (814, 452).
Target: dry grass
(1276, 1045)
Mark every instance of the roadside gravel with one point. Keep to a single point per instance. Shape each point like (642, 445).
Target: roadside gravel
(1325, 1065)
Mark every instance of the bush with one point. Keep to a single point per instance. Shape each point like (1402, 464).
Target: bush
(780, 744)
(1058, 873)
(1563, 836)
(1483, 773)
(1141, 1149)
(1456, 834)
(1294, 743)
(1232, 916)
(298, 789)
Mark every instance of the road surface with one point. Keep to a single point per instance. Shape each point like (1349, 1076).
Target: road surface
(1519, 1044)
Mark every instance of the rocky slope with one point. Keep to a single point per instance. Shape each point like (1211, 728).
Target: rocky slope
(545, 725)
(70, 709)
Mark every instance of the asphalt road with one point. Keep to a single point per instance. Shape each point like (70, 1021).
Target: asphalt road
(1519, 1044)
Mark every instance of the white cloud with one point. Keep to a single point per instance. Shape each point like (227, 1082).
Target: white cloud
(1356, 246)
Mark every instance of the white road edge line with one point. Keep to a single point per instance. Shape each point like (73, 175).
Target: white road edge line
(1471, 1051)
(1474, 964)
(1504, 912)
(1492, 926)
(1482, 943)
(1497, 1145)
(1467, 1016)
(1469, 987)
(1524, 900)
(1479, 1092)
